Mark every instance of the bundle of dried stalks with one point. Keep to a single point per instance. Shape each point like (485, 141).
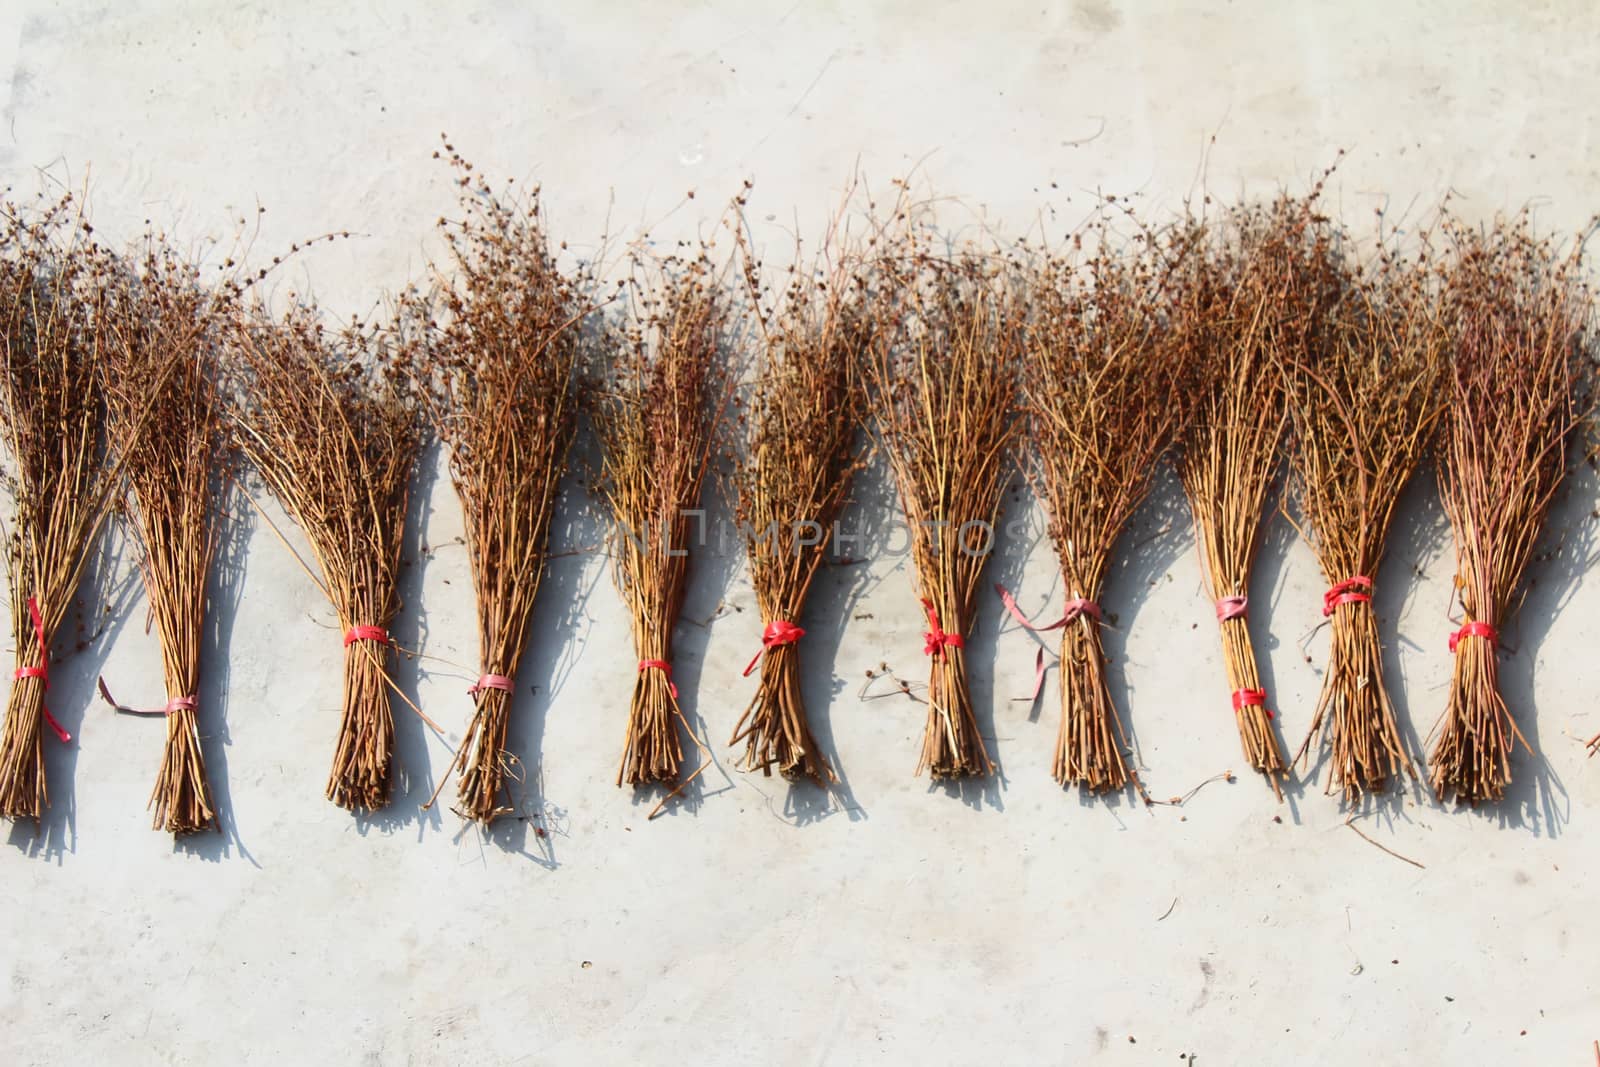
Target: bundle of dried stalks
(52, 412)
(943, 374)
(799, 454)
(1364, 412)
(658, 418)
(163, 335)
(1246, 296)
(502, 399)
(1105, 398)
(329, 418)
(1517, 310)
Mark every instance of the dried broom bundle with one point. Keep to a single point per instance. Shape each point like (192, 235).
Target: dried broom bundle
(52, 413)
(658, 420)
(1517, 311)
(502, 400)
(799, 454)
(1244, 299)
(167, 429)
(330, 420)
(1104, 398)
(1364, 412)
(943, 372)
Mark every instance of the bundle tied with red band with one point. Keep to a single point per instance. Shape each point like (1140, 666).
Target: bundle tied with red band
(1474, 629)
(1357, 590)
(340, 458)
(665, 397)
(503, 400)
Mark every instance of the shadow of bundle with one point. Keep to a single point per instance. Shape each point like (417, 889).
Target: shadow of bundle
(52, 414)
(502, 399)
(1364, 411)
(1246, 295)
(329, 419)
(1105, 398)
(793, 474)
(164, 332)
(943, 374)
(657, 419)
(1517, 311)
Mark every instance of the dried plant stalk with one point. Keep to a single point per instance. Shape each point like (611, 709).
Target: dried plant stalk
(329, 419)
(1363, 412)
(1245, 297)
(502, 400)
(1105, 398)
(658, 424)
(52, 413)
(1517, 310)
(167, 430)
(792, 478)
(944, 379)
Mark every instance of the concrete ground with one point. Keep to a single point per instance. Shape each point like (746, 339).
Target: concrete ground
(899, 921)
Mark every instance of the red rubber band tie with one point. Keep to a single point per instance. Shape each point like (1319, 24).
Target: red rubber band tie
(1349, 591)
(42, 672)
(777, 632)
(665, 668)
(1475, 629)
(1074, 609)
(173, 706)
(935, 640)
(1251, 698)
(492, 681)
(1231, 607)
(366, 633)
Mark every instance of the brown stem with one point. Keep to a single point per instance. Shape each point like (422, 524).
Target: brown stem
(362, 761)
(1090, 742)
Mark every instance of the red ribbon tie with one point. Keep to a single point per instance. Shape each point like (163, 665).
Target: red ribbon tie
(42, 672)
(1231, 607)
(366, 633)
(172, 707)
(1074, 609)
(1357, 590)
(936, 639)
(1251, 698)
(491, 681)
(665, 668)
(777, 632)
(1475, 629)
